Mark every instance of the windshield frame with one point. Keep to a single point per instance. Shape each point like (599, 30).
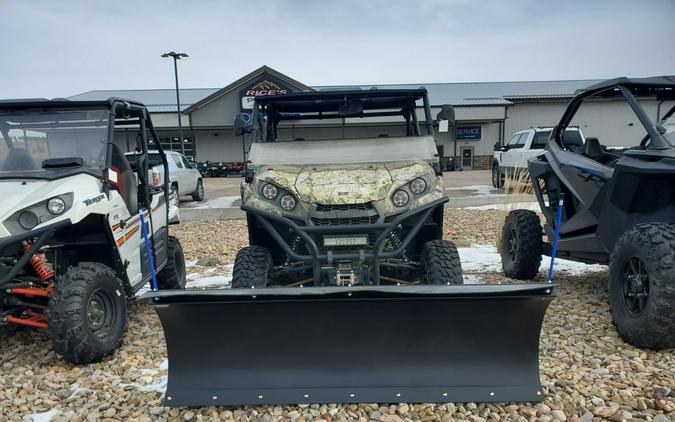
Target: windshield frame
(107, 122)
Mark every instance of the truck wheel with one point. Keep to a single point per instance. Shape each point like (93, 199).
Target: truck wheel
(440, 262)
(172, 275)
(497, 181)
(87, 313)
(251, 268)
(642, 285)
(173, 196)
(198, 194)
(521, 245)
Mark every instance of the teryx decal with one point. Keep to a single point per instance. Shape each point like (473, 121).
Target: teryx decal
(94, 200)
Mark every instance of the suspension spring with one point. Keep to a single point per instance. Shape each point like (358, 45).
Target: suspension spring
(40, 264)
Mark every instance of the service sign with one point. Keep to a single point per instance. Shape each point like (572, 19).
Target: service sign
(468, 133)
(266, 86)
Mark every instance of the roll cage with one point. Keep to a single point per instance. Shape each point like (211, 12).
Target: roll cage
(269, 111)
(122, 113)
(663, 87)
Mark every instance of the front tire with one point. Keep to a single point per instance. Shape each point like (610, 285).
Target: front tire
(198, 194)
(642, 285)
(251, 268)
(521, 245)
(440, 263)
(497, 181)
(87, 313)
(173, 196)
(173, 274)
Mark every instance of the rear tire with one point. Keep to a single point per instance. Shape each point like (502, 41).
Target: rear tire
(173, 274)
(198, 194)
(642, 285)
(251, 268)
(497, 181)
(521, 245)
(440, 263)
(87, 313)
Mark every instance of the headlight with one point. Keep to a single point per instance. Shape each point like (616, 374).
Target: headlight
(57, 206)
(287, 202)
(269, 191)
(400, 198)
(418, 186)
(28, 220)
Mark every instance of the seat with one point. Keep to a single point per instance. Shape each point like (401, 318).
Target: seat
(126, 181)
(594, 150)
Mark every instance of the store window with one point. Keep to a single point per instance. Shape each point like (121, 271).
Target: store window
(173, 144)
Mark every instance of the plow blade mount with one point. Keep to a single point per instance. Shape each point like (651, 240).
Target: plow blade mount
(385, 344)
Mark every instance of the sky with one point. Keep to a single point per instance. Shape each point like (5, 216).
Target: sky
(61, 48)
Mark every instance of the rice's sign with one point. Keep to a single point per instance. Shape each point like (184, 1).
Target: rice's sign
(261, 87)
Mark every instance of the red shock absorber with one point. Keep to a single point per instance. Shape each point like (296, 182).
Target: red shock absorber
(39, 262)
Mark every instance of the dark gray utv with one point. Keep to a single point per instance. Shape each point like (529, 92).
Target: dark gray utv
(619, 209)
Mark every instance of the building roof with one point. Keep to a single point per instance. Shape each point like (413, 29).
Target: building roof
(157, 100)
(457, 94)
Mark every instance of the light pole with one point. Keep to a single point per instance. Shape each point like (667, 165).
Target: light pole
(176, 57)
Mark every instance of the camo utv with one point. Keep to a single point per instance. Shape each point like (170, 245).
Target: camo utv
(362, 208)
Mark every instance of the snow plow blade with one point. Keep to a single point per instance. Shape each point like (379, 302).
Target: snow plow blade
(386, 344)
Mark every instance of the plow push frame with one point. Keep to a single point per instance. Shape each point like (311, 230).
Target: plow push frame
(385, 344)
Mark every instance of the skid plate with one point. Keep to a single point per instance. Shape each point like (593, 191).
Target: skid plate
(382, 344)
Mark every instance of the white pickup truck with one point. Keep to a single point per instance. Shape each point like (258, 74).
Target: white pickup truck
(184, 177)
(512, 157)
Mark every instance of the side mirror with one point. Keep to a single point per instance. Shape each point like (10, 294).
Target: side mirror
(499, 147)
(242, 124)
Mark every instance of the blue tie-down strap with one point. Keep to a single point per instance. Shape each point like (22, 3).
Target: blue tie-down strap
(554, 251)
(148, 249)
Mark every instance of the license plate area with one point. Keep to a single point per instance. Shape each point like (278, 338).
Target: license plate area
(345, 240)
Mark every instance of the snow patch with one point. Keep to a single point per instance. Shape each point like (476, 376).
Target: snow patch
(472, 279)
(485, 258)
(207, 280)
(219, 202)
(158, 385)
(41, 417)
(532, 206)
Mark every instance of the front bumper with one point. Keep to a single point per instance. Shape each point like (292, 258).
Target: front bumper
(316, 257)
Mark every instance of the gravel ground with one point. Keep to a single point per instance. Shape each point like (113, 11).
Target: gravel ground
(588, 372)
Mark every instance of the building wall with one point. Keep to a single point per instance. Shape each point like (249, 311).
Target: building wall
(219, 112)
(611, 121)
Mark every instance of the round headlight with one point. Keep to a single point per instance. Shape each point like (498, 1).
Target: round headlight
(287, 202)
(28, 220)
(418, 186)
(56, 205)
(400, 198)
(269, 191)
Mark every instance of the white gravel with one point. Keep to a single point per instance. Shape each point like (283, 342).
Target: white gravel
(588, 372)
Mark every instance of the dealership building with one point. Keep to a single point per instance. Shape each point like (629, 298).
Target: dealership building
(485, 113)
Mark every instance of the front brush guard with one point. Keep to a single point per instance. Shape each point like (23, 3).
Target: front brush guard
(316, 258)
(386, 344)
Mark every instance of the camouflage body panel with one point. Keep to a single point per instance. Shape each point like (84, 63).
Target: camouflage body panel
(345, 184)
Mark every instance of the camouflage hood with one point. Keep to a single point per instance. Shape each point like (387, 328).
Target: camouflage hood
(343, 185)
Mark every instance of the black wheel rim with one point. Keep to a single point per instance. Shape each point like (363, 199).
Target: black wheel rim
(635, 286)
(101, 312)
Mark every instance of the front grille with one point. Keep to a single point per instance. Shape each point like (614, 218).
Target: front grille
(344, 221)
(343, 207)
